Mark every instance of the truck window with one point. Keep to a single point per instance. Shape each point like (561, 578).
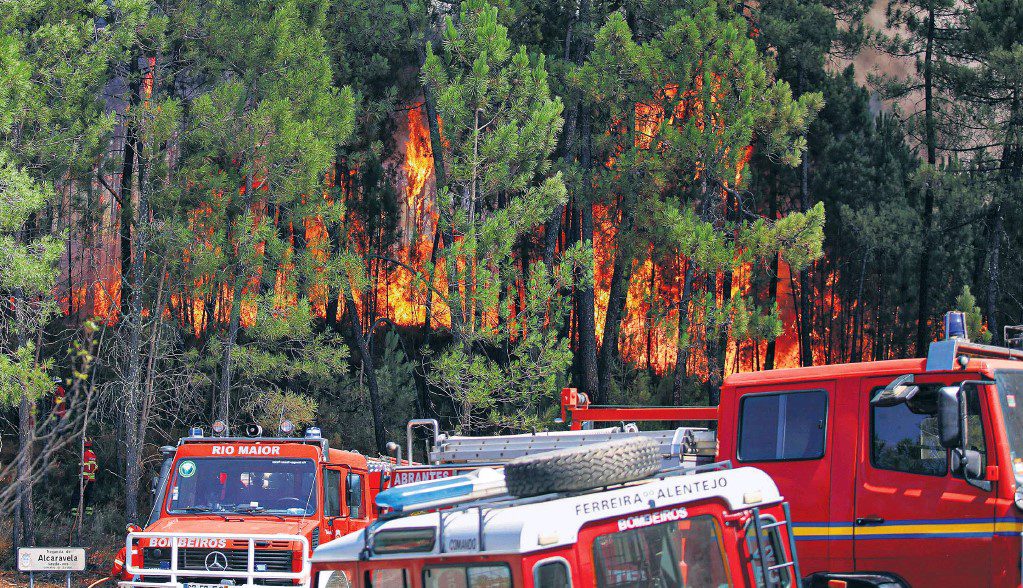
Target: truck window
(353, 496)
(387, 578)
(905, 436)
(469, 576)
(552, 573)
(786, 426)
(679, 554)
(332, 493)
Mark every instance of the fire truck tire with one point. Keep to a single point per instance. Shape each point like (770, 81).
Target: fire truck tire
(583, 468)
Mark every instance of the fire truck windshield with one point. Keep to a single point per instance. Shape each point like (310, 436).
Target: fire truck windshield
(1010, 393)
(243, 485)
(673, 555)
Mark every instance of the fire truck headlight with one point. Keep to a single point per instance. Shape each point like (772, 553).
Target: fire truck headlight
(333, 580)
(1019, 494)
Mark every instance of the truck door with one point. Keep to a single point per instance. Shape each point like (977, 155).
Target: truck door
(784, 430)
(334, 521)
(913, 517)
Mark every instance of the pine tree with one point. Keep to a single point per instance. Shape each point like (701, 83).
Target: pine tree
(54, 63)
(500, 127)
(258, 141)
(985, 76)
(686, 106)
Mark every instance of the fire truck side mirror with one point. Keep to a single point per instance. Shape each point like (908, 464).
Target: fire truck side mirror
(950, 427)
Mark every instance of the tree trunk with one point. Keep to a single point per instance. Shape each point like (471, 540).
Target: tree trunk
(234, 323)
(805, 310)
(617, 297)
(772, 285)
(923, 334)
(585, 296)
(127, 180)
(26, 505)
(683, 345)
(994, 270)
(134, 428)
(368, 368)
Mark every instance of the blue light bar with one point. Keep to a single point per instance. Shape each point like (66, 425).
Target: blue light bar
(482, 483)
(195, 432)
(312, 433)
(955, 325)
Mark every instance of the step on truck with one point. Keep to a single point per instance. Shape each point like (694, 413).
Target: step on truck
(601, 514)
(900, 473)
(247, 510)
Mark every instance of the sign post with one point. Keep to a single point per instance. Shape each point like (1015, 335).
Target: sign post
(50, 559)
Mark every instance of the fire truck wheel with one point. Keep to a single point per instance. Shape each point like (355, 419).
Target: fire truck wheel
(583, 468)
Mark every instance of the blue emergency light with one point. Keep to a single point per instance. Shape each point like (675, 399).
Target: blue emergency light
(312, 433)
(481, 483)
(955, 325)
(195, 432)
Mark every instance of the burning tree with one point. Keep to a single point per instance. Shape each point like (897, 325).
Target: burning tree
(681, 110)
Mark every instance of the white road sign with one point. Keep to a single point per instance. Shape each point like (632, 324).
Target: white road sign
(51, 559)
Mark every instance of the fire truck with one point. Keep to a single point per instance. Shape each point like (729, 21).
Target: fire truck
(598, 512)
(901, 473)
(247, 511)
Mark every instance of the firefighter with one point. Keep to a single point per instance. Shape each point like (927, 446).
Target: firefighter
(89, 468)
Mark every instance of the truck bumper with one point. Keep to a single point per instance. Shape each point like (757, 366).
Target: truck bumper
(240, 570)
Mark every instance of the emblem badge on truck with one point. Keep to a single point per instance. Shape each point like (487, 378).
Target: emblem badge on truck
(216, 561)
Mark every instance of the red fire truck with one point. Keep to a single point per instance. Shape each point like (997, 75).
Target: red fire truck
(246, 511)
(901, 473)
(602, 514)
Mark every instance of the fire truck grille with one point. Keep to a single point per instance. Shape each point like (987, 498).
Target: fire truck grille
(237, 560)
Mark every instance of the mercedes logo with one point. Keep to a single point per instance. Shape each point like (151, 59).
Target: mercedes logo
(216, 561)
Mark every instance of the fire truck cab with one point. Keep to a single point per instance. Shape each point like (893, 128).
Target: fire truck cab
(900, 473)
(709, 526)
(247, 511)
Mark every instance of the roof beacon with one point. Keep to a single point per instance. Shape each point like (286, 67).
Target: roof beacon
(312, 433)
(481, 483)
(195, 432)
(955, 325)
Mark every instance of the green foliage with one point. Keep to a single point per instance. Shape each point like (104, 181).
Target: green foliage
(975, 326)
(269, 409)
(683, 108)
(500, 129)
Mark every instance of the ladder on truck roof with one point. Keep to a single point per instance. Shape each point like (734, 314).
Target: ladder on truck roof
(676, 445)
(684, 446)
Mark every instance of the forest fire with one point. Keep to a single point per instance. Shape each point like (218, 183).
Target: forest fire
(649, 335)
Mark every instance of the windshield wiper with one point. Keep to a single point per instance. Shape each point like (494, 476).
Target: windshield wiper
(256, 510)
(204, 509)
